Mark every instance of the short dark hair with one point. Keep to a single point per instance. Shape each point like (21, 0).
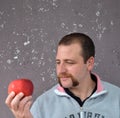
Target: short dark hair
(88, 47)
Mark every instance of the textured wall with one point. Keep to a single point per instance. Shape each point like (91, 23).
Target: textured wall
(31, 29)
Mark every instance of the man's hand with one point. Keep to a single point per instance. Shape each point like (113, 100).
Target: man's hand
(19, 105)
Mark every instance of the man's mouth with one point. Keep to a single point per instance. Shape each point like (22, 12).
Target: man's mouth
(64, 78)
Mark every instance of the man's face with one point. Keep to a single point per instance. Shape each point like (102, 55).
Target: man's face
(70, 67)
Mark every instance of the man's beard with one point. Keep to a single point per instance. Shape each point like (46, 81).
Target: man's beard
(66, 75)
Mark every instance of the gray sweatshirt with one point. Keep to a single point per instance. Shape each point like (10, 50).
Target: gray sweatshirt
(56, 103)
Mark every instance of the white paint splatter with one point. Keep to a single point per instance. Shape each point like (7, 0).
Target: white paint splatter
(34, 58)
(32, 62)
(1, 12)
(63, 25)
(15, 57)
(54, 51)
(17, 51)
(9, 61)
(80, 25)
(103, 29)
(54, 3)
(14, 32)
(99, 35)
(74, 27)
(111, 23)
(96, 63)
(98, 13)
(29, 7)
(2, 26)
(42, 9)
(26, 43)
(17, 34)
(80, 14)
(43, 79)
(13, 8)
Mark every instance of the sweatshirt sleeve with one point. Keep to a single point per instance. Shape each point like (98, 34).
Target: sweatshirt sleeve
(35, 110)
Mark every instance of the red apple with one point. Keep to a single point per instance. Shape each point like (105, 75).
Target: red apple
(21, 85)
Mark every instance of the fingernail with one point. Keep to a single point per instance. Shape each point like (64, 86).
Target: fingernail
(12, 92)
(21, 93)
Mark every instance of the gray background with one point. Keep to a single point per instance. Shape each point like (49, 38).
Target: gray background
(31, 29)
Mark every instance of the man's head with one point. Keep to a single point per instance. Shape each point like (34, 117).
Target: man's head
(74, 59)
(88, 48)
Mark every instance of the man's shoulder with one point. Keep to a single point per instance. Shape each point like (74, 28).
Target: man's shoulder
(48, 93)
(111, 87)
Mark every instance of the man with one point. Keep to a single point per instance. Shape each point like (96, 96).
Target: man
(79, 94)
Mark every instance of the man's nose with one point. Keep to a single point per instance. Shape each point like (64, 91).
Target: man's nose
(62, 68)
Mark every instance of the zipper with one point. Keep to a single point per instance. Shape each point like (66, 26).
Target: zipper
(81, 112)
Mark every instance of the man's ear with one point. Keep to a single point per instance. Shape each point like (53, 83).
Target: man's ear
(90, 63)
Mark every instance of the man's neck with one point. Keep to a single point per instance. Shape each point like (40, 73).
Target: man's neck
(84, 90)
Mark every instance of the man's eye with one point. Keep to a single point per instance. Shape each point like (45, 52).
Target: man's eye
(57, 62)
(69, 62)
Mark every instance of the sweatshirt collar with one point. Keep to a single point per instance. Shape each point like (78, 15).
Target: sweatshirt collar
(100, 89)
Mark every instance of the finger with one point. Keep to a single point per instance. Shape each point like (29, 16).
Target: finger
(27, 106)
(15, 102)
(27, 110)
(24, 101)
(9, 99)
